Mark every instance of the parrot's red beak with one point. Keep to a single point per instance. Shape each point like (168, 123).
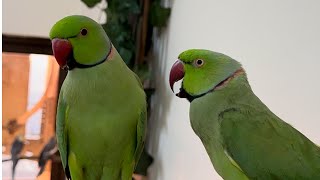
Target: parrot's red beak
(176, 73)
(62, 50)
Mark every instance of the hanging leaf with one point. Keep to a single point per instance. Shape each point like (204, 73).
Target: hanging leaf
(91, 3)
(125, 54)
(158, 14)
(123, 22)
(143, 71)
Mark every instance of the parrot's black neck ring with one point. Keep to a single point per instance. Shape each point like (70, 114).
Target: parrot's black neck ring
(72, 63)
(184, 94)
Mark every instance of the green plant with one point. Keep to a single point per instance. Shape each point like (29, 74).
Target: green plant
(130, 24)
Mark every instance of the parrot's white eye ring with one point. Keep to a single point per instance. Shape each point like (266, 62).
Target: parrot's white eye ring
(198, 62)
(83, 31)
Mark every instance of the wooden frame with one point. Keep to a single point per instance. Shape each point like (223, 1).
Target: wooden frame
(35, 45)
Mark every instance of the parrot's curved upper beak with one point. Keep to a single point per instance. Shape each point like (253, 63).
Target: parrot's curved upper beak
(62, 50)
(176, 73)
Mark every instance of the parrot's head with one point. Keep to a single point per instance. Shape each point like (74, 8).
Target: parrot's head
(78, 41)
(20, 138)
(202, 71)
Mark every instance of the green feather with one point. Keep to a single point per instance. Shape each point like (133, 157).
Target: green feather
(61, 121)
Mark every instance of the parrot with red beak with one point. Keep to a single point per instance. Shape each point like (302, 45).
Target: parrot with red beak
(242, 137)
(101, 114)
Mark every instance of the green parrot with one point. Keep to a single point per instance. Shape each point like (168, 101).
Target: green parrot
(242, 137)
(101, 114)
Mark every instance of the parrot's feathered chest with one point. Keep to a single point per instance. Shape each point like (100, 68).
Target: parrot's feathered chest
(103, 109)
(94, 94)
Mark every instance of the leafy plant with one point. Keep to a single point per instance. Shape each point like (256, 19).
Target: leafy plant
(158, 14)
(91, 3)
(125, 23)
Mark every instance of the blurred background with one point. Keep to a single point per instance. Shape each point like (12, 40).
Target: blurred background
(278, 43)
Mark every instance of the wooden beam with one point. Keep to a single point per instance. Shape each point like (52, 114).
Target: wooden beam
(141, 33)
(24, 44)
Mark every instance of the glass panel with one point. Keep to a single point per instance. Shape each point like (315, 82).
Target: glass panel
(37, 87)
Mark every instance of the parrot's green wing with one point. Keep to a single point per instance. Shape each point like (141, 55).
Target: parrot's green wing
(61, 133)
(265, 147)
(138, 79)
(141, 134)
(141, 129)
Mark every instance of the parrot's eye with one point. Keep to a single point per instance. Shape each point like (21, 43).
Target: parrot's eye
(84, 32)
(198, 62)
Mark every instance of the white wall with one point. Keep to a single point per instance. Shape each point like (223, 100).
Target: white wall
(36, 17)
(278, 43)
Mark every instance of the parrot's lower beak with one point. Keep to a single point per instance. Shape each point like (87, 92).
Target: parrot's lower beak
(176, 73)
(62, 50)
